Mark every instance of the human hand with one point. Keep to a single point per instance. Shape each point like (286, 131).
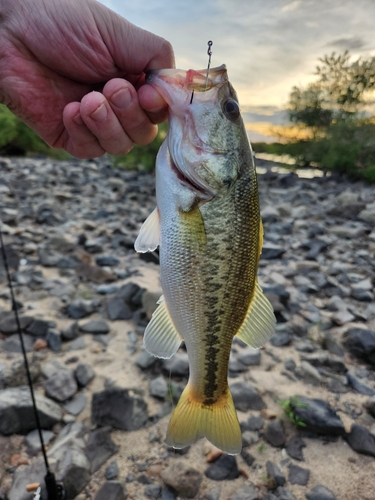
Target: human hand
(74, 72)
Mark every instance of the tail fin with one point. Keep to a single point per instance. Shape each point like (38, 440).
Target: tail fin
(218, 422)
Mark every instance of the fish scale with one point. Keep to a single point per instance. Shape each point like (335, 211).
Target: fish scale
(207, 223)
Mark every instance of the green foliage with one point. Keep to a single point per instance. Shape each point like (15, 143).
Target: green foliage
(142, 157)
(261, 448)
(16, 138)
(288, 405)
(341, 91)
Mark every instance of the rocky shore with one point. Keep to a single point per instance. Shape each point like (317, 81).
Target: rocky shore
(306, 400)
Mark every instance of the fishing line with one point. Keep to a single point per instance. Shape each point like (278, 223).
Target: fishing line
(54, 490)
(209, 53)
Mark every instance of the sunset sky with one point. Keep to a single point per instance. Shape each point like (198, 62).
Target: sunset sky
(267, 45)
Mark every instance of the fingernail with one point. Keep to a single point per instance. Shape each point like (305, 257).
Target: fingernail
(100, 114)
(78, 119)
(122, 98)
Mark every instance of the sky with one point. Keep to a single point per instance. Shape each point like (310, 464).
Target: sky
(268, 45)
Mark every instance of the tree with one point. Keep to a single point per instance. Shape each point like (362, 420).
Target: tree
(343, 90)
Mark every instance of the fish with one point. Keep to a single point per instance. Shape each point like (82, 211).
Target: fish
(208, 228)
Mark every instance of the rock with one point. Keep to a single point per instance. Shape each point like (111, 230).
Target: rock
(119, 408)
(360, 386)
(361, 440)
(36, 470)
(246, 492)
(117, 308)
(112, 471)
(107, 289)
(100, 447)
(81, 308)
(213, 494)
(320, 492)
(317, 415)
(177, 365)
(51, 367)
(274, 433)
(77, 344)
(248, 457)
(95, 326)
(17, 414)
(86, 272)
(249, 356)
(360, 343)
(15, 375)
(159, 387)
(249, 437)
(294, 447)
(368, 214)
(145, 360)
(297, 475)
(284, 494)
(107, 261)
(280, 339)
(8, 325)
(84, 373)
(153, 491)
(370, 406)
(32, 441)
(246, 397)
(71, 332)
(76, 405)
(224, 469)
(290, 364)
(54, 340)
(13, 343)
(38, 328)
(183, 478)
(275, 474)
(149, 302)
(271, 251)
(309, 373)
(254, 423)
(61, 385)
(112, 490)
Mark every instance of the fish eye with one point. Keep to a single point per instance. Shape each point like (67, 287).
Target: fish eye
(231, 110)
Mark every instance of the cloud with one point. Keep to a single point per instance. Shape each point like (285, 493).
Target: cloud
(351, 43)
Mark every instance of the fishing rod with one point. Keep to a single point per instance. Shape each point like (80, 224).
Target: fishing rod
(55, 490)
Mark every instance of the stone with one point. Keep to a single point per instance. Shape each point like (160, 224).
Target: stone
(249, 437)
(249, 356)
(159, 387)
(77, 344)
(111, 490)
(317, 416)
(145, 360)
(8, 325)
(119, 408)
(360, 386)
(53, 340)
(360, 343)
(21, 478)
(272, 251)
(368, 214)
(107, 261)
(15, 374)
(71, 332)
(309, 373)
(84, 373)
(13, 343)
(183, 478)
(153, 491)
(149, 302)
(17, 414)
(275, 474)
(32, 441)
(61, 385)
(38, 328)
(320, 492)
(81, 308)
(246, 492)
(294, 447)
(100, 447)
(361, 440)
(213, 494)
(112, 471)
(281, 339)
(76, 405)
(107, 289)
(370, 406)
(224, 469)
(297, 475)
(284, 494)
(117, 309)
(248, 457)
(246, 397)
(274, 433)
(95, 326)
(177, 365)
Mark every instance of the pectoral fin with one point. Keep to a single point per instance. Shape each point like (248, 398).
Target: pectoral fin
(149, 235)
(161, 337)
(259, 323)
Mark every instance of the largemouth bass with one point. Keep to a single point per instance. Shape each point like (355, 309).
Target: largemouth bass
(208, 226)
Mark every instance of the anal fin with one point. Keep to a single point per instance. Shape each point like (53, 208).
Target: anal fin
(161, 337)
(259, 323)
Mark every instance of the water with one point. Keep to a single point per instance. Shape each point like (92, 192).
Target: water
(305, 173)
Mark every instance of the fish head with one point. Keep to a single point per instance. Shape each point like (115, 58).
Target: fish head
(206, 137)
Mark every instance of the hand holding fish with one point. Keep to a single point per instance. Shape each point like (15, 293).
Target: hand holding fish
(207, 223)
(74, 72)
